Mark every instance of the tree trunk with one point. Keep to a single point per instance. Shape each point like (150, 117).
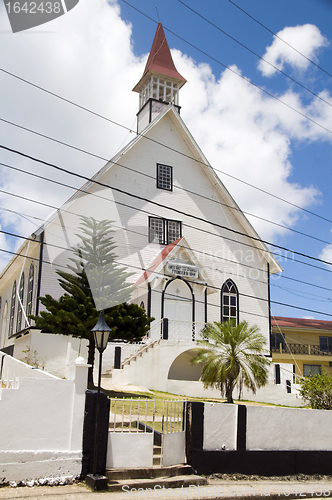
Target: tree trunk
(91, 360)
(229, 392)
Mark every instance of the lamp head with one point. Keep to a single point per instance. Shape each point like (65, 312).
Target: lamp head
(101, 332)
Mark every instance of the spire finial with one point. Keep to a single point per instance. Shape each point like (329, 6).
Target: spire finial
(157, 14)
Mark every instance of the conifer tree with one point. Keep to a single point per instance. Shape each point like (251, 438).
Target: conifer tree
(94, 282)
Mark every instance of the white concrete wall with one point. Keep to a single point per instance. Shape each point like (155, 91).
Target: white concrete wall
(13, 369)
(173, 451)
(268, 428)
(288, 429)
(56, 353)
(41, 427)
(129, 449)
(220, 426)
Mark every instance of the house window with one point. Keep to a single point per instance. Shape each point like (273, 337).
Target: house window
(164, 231)
(164, 177)
(311, 370)
(12, 310)
(229, 301)
(325, 344)
(30, 289)
(20, 304)
(277, 338)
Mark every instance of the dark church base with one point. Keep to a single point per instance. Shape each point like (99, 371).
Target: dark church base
(263, 463)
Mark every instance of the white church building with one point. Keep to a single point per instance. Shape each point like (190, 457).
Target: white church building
(194, 256)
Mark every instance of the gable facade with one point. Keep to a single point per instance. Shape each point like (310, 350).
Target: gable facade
(193, 255)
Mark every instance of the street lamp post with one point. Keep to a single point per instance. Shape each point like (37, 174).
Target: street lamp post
(101, 332)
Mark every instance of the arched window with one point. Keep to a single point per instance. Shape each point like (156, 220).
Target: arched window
(30, 289)
(12, 310)
(142, 305)
(20, 304)
(4, 323)
(229, 301)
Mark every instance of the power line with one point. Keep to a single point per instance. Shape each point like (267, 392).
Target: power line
(216, 288)
(141, 234)
(161, 144)
(160, 205)
(279, 38)
(304, 282)
(175, 186)
(257, 55)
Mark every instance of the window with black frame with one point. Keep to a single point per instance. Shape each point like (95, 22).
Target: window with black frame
(164, 231)
(229, 301)
(12, 310)
(325, 344)
(277, 338)
(164, 177)
(20, 304)
(30, 289)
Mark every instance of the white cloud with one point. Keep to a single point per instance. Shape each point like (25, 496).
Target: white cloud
(306, 39)
(326, 254)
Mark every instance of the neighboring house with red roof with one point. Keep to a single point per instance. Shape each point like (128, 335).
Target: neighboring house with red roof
(304, 343)
(195, 256)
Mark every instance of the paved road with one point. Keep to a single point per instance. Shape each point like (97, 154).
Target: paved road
(217, 489)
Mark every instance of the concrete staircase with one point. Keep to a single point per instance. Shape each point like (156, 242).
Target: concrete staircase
(132, 357)
(153, 478)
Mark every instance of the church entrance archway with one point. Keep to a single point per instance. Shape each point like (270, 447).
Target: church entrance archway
(178, 305)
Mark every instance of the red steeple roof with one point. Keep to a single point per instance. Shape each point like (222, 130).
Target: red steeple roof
(160, 60)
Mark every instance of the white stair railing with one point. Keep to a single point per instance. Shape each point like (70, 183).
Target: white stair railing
(12, 369)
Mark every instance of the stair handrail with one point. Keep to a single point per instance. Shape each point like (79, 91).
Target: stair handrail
(11, 369)
(145, 347)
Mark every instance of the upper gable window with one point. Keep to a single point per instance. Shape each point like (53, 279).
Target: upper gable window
(164, 177)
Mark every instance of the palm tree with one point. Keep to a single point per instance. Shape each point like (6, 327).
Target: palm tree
(232, 355)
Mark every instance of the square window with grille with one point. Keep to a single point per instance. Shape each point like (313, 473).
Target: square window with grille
(156, 230)
(311, 370)
(163, 231)
(164, 177)
(173, 230)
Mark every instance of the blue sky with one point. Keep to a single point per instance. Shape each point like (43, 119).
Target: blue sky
(95, 54)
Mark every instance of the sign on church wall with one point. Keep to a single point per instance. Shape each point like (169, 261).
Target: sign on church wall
(181, 269)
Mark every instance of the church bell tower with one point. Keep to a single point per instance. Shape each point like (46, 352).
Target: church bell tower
(160, 83)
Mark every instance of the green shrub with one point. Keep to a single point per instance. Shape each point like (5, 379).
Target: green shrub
(317, 391)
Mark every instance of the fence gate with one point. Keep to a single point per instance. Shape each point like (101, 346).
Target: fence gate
(137, 429)
(173, 432)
